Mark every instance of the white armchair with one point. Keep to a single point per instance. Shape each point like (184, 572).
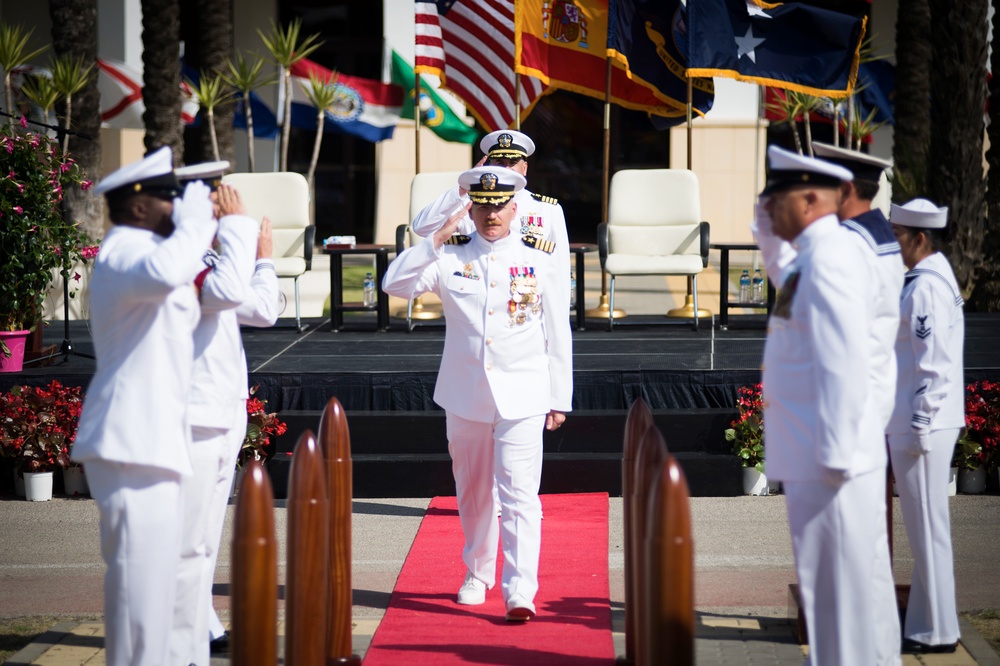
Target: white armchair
(424, 189)
(283, 197)
(654, 227)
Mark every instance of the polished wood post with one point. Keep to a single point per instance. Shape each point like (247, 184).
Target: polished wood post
(639, 420)
(670, 624)
(649, 458)
(335, 440)
(307, 544)
(255, 572)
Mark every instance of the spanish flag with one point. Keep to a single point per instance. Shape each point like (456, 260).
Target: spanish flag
(564, 44)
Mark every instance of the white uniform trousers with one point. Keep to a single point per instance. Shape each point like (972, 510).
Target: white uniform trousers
(189, 642)
(511, 452)
(922, 483)
(837, 544)
(140, 543)
(217, 512)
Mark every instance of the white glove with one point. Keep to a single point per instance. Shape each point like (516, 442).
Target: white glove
(194, 206)
(920, 443)
(834, 478)
(762, 224)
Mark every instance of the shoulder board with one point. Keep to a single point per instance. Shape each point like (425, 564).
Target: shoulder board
(458, 239)
(539, 243)
(544, 199)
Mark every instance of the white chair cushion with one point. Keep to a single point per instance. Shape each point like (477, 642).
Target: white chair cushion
(289, 266)
(637, 264)
(656, 241)
(281, 196)
(654, 197)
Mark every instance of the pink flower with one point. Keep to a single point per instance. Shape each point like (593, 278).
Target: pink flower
(76, 276)
(24, 122)
(86, 185)
(18, 210)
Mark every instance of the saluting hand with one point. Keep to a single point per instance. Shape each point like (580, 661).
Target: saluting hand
(265, 244)
(228, 201)
(451, 226)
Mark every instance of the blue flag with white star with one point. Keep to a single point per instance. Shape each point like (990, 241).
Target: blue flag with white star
(788, 45)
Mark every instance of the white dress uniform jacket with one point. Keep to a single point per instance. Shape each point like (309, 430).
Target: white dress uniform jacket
(811, 362)
(144, 309)
(929, 351)
(526, 367)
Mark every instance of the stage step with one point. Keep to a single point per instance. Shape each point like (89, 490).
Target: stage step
(405, 454)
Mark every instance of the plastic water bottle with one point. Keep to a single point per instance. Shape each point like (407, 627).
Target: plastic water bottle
(745, 287)
(369, 291)
(572, 289)
(757, 287)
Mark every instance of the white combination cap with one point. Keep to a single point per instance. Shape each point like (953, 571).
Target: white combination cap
(209, 172)
(863, 166)
(153, 174)
(787, 169)
(491, 185)
(919, 214)
(507, 143)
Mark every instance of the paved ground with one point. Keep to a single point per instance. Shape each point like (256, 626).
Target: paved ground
(50, 564)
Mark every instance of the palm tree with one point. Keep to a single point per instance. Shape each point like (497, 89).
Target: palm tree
(245, 76)
(214, 37)
(322, 94)
(74, 35)
(912, 131)
(286, 50)
(958, 93)
(161, 61)
(69, 76)
(211, 92)
(13, 54)
(40, 90)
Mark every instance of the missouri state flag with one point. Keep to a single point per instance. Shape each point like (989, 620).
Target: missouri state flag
(564, 44)
(364, 108)
(788, 45)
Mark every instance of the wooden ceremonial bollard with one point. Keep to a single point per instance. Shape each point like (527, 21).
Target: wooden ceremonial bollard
(255, 572)
(308, 542)
(649, 458)
(669, 634)
(335, 440)
(639, 420)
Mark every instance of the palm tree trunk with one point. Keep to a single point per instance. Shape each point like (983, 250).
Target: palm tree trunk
(74, 33)
(67, 122)
(212, 134)
(320, 119)
(215, 46)
(809, 134)
(912, 131)
(161, 60)
(958, 94)
(249, 114)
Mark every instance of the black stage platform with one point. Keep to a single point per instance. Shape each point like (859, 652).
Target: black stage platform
(385, 381)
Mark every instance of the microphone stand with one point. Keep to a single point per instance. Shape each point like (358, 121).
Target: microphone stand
(66, 349)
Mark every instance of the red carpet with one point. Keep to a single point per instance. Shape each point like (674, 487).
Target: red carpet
(424, 625)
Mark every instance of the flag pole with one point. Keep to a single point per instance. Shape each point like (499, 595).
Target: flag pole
(687, 310)
(517, 101)
(416, 120)
(602, 308)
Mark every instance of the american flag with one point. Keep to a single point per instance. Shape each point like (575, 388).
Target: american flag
(469, 44)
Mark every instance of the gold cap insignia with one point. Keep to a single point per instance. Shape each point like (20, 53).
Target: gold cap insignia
(504, 140)
(488, 181)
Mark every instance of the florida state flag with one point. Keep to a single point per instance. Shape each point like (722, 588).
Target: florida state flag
(564, 44)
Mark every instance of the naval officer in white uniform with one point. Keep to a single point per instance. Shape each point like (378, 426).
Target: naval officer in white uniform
(134, 433)
(506, 373)
(873, 236)
(930, 412)
(825, 430)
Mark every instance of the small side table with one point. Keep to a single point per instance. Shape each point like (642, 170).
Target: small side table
(724, 304)
(337, 305)
(580, 249)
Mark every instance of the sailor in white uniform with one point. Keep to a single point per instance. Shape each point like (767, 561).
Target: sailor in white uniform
(506, 373)
(134, 434)
(929, 413)
(825, 432)
(217, 408)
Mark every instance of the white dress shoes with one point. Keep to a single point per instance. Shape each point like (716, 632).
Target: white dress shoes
(472, 592)
(519, 609)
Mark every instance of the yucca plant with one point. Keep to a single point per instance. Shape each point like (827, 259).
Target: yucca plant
(806, 104)
(789, 108)
(69, 77)
(285, 48)
(323, 95)
(42, 92)
(859, 129)
(245, 76)
(210, 91)
(14, 53)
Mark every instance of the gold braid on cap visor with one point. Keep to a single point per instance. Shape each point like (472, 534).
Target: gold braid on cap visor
(491, 198)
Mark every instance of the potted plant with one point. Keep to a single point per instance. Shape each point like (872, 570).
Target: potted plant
(36, 238)
(747, 436)
(261, 427)
(37, 430)
(977, 449)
